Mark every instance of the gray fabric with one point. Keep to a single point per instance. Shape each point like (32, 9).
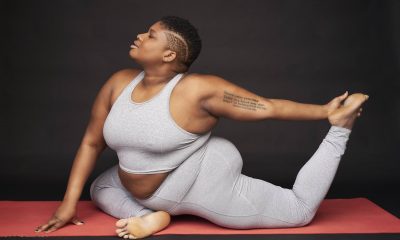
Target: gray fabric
(211, 185)
(145, 136)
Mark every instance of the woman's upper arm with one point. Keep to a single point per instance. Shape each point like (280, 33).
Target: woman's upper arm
(100, 108)
(226, 99)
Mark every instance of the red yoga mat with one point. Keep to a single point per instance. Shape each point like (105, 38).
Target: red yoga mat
(354, 215)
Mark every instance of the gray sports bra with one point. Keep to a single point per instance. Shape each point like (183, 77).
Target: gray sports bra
(144, 135)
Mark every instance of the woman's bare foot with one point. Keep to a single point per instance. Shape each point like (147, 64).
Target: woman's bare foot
(143, 226)
(345, 115)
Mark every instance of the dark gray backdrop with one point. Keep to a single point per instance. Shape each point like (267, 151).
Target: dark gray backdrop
(57, 54)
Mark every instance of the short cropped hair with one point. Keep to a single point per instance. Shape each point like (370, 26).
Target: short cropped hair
(187, 44)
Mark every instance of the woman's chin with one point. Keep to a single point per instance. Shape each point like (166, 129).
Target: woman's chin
(132, 54)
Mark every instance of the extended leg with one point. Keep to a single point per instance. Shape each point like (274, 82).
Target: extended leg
(109, 195)
(315, 177)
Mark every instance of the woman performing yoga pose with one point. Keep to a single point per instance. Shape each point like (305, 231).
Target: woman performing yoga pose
(159, 119)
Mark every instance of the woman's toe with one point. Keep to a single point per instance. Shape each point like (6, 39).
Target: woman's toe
(123, 233)
(121, 223)
(119, 230)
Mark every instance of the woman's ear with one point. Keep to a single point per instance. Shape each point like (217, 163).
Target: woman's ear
(169, 56)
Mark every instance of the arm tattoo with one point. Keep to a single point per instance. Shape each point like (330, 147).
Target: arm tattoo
(243, 102)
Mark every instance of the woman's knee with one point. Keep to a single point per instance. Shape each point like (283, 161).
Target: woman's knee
(93, 190)
(309, 216)
(226, 151)
(289, 208)
(100, 196)
(103, 180)
(305, 213)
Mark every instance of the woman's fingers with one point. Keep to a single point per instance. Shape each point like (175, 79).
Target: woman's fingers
(61, 216)
(337, 100)
(54, 224)
(54, 227)
(343, 96)
(45, 226)
(41, 227)
(48, 225)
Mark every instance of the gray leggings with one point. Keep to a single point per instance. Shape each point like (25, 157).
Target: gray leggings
(215, 189)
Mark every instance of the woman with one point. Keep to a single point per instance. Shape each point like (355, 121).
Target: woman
(159, 122)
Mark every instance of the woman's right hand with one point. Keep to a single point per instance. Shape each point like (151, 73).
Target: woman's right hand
(64, 214)
(335, 103)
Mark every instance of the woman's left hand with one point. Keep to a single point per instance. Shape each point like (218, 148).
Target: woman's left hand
(335, 103)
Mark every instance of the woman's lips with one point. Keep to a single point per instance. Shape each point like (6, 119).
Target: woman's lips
(134, 45)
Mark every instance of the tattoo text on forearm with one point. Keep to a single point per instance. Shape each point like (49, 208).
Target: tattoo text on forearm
(243, 102)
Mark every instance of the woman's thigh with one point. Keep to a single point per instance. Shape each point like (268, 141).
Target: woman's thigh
(214, 195)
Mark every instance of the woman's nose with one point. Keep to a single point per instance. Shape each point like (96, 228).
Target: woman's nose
(138, 37)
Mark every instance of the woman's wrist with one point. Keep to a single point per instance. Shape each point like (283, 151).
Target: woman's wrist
(70, 202)
(325, 111)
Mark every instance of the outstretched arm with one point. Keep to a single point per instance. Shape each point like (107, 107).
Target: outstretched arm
(223, 98)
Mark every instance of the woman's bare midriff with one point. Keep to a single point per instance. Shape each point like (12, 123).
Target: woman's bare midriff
(141, 186)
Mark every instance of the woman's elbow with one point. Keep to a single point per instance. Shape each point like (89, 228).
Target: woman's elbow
(269, 109)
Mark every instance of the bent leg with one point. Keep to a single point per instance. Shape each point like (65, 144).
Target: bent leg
(228, 198)
(107, 193)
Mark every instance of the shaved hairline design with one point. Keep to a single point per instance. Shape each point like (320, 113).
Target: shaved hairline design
(178, 40)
